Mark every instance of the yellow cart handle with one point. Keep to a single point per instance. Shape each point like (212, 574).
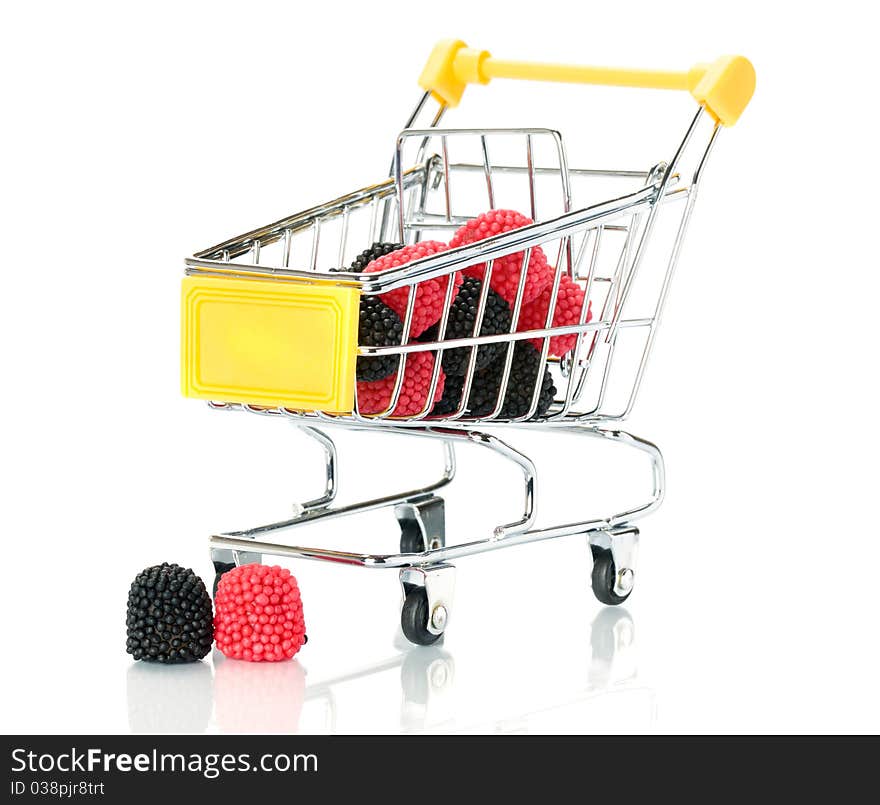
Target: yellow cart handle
(724, 88)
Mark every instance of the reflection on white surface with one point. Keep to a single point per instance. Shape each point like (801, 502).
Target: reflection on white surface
(611, 699)
(426, 677)
(274, 697)
(612, 648)
(169, 698)
(427, 682)
(259, 697)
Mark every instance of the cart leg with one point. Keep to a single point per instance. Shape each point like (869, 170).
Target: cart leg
(427, 602)
(614, 563)
(225, 559)
(330, 472)
(422, 524)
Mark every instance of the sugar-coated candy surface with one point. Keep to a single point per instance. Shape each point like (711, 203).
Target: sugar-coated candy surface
(169, 615)
(569, 299)
(486, 387)
(506, 270)
(460, 324)
(375, 397)
(379, 326)
(430, 294)
(258, 614)
(377, 250)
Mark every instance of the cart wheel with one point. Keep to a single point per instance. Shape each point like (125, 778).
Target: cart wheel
(221, 568)
(414, 618)
(604, 575)
(411, 539)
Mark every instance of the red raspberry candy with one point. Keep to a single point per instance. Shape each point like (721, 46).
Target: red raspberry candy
(505, 270)
(373, 397)
(258, 614)
(568, 311)
(430, 294)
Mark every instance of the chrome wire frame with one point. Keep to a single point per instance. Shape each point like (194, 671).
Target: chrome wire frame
(397, 208)
(521, 531)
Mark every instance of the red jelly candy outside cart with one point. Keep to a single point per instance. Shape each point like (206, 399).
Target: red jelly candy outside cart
(258, 614)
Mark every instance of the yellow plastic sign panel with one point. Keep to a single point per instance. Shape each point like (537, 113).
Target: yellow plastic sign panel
(269, 343)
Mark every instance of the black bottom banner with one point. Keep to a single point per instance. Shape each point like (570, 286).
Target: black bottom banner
(121, 768)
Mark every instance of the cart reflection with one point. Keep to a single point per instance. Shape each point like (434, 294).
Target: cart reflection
(275, 698)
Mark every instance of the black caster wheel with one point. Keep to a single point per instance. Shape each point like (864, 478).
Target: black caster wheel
(604, 575)
(411, 539)
(414, 618)
(221, 568)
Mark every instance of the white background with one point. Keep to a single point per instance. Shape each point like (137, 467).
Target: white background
(133, 136)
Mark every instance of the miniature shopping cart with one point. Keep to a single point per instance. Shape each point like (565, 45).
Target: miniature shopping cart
(270, 323)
